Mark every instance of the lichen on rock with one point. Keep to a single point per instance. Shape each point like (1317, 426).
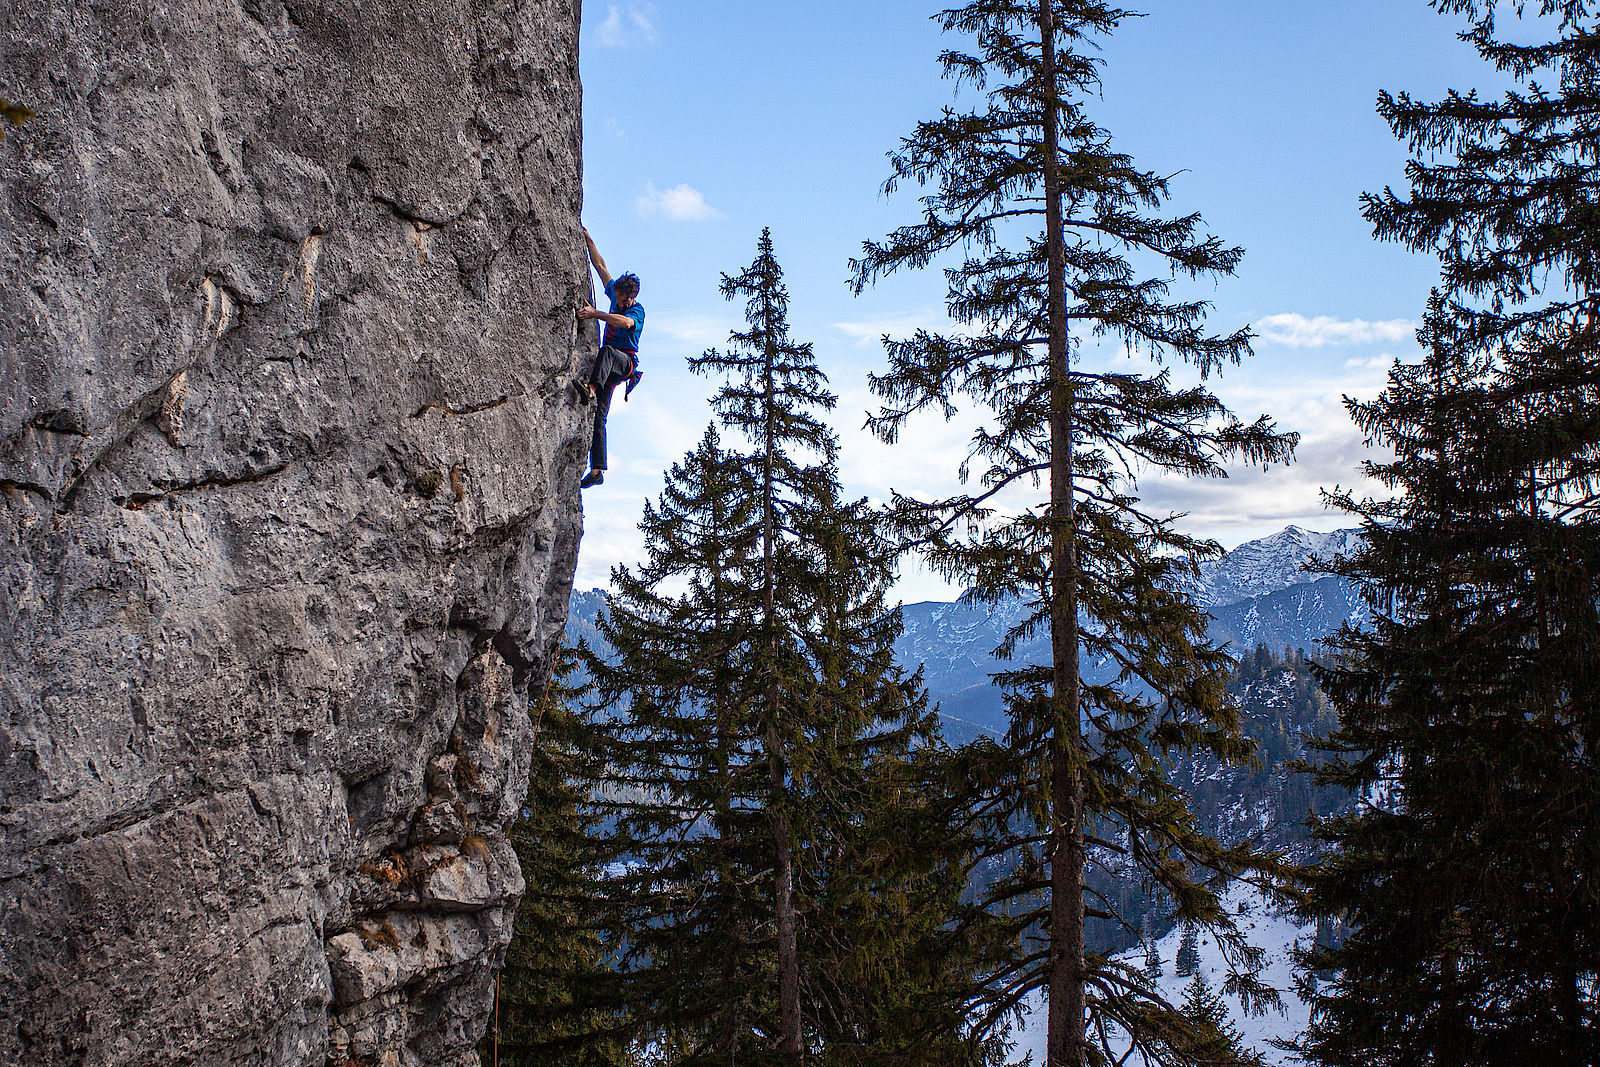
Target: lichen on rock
(262, 704)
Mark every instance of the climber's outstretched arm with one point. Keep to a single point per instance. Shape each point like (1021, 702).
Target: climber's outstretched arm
(594, 257)
(621, 322)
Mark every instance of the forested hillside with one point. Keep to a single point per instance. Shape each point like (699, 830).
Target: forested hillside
(1281, 709)
(1267, 804)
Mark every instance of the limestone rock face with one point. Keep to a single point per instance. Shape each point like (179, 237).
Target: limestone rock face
(288, 516)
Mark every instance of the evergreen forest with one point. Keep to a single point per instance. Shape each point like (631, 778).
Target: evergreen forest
(748, 838)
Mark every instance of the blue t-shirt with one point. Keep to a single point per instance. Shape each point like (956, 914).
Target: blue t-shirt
(628, 340)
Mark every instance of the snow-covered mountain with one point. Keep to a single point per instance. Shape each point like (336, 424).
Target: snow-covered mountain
(1259, 568)
(1301, 616)
(1259, 593)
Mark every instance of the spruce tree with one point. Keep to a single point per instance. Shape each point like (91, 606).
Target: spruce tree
(890, 952)
(1152, 950)
(684, 804)
(1187, 960)
(556, 1001)
(1053, 220)
(1469, 714)
(786, 896)
(1218, 1042)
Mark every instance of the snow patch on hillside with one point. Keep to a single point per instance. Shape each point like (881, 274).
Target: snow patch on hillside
(1276, 935)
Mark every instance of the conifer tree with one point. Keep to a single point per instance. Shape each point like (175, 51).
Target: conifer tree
(890, 952)
(1187, 960)
(1053, 220)
(1152, 951)
(1218, 1042)
(791, 897)
(1470, 714)
(684, 807)
(556, 999)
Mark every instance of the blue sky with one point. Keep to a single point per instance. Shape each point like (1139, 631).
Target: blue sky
(705, 121)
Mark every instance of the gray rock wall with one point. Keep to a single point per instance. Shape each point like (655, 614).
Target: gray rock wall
(288, 516)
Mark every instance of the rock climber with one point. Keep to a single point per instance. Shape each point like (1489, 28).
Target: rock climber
(618, 360)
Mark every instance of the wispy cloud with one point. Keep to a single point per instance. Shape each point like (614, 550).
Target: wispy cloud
(872, 331)
(1298, 331)
(1252, 502)
(1249, 503)
(610, 537)
(681, 203)
(630, 25)
(692, 330)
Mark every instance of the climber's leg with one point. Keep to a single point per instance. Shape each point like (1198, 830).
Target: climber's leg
(597, 442)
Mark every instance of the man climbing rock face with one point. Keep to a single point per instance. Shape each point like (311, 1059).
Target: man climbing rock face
(618, 360)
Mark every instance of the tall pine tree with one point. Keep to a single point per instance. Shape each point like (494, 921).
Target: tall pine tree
(891, 953)
(1471, 708)
(791, 896)
(1053, 220)
(556, 999)
(690, 901)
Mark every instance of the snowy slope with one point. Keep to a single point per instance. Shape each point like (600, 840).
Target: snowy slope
(1257, 568)
(1276, 935)
(1299, 616)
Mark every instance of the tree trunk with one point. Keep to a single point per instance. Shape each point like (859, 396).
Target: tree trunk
(788, 949)
(783, 867)
(723, 742)
(1064, 1045)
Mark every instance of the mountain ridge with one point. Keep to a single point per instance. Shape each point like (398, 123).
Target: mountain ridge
(1257, 593)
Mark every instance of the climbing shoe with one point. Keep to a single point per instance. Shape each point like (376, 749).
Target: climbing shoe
(585, 392)
(592, 478)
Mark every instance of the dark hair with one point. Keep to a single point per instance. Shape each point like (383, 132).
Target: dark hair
(627, 285)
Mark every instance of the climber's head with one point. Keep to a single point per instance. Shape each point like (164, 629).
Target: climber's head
(626, 288)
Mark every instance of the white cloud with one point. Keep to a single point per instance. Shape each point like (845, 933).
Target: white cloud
(681, 203)
(695, 332)
(610, 537)
(1297, 331)
(609, 32)
(1252, 502)
(871, 331)
(1249, 503)
(631, 25)
(923, 460)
